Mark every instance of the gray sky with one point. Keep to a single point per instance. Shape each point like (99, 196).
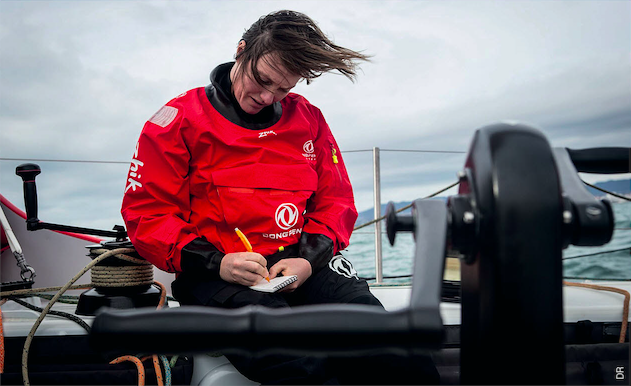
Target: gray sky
(79, 79)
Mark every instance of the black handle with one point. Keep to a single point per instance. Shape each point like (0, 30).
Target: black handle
(602, 160)
(334, 329)
(588, 221)
(28, 172)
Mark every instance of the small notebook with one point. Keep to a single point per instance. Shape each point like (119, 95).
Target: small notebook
(274, 284)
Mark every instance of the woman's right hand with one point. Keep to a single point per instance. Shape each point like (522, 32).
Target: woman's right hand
(245, 268)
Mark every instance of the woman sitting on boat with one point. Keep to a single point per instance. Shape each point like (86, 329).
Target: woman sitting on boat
(244, 152)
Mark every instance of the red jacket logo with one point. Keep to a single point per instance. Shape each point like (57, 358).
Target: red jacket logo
(308, 147)
(286, 216)
(309, 151)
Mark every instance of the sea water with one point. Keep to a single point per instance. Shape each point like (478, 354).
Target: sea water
(397, 259)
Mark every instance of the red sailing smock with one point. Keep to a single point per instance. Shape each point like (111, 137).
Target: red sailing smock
(196, 174)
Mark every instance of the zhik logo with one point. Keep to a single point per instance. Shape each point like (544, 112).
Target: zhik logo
(286, 215)
(341, 266)
(134, 172)
(264, 134)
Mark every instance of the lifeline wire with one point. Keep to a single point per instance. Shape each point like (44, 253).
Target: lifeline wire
(606, 191)
(456, 183)
(596, 253)
(404, 208)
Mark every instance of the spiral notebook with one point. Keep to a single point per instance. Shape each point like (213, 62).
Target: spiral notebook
(274, 284)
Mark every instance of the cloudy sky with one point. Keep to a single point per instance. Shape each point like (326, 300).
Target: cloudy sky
(78, 79)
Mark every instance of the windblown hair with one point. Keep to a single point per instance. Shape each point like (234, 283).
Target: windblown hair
(299, 44)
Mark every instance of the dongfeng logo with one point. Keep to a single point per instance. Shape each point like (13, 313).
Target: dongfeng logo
(286, 215)
(308, 151)
(308, 147)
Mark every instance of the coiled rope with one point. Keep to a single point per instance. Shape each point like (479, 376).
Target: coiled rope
(103, 275)
(29, 337)
(140, 272)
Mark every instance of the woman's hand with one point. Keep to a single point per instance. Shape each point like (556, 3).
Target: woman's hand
(245, 268)
(293, 266)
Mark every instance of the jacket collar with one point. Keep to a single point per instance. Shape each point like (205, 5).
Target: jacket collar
(219, 94)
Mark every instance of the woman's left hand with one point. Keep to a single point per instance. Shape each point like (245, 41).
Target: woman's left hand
(292, 266)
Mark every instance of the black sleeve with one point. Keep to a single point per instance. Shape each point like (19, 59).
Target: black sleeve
(316, 249)
(201, 257)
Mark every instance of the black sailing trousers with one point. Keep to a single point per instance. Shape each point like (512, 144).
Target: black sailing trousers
(335, 283)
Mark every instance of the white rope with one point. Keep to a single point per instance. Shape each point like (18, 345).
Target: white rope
(29, 338)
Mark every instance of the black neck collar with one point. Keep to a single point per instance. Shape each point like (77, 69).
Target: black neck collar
(219, 93)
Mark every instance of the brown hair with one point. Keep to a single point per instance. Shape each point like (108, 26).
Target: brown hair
(302, 48)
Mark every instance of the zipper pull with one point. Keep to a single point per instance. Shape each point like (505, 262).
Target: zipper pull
(334, 156)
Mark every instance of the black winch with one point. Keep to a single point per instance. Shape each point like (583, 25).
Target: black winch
(120, 281)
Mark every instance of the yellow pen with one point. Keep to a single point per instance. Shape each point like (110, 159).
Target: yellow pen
(246, 243)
